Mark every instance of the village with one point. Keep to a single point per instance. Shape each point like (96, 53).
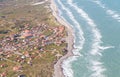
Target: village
(21, 49)
(31, 39)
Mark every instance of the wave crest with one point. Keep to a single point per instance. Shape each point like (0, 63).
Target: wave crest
(114, 14)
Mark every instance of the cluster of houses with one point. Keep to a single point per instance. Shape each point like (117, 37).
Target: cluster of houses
(27, 44)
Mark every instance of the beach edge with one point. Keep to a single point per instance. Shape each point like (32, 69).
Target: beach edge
(58, 71)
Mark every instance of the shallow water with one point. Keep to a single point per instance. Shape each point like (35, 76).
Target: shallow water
(96, 25)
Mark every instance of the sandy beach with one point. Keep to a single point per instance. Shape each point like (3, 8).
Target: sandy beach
(57, 67)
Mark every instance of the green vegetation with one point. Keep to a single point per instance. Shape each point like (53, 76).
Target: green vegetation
(32, 60)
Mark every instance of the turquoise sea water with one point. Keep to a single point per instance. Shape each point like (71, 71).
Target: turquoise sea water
(96, 25)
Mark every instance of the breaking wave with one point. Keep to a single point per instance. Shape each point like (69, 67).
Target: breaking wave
(95, 64)
(95, 47)
(68, 72)
(114, 14)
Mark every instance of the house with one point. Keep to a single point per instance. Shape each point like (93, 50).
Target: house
(26, 34)
(61, 29)
(3, 65)
(17, 68)
(26, 53)
(3, 74)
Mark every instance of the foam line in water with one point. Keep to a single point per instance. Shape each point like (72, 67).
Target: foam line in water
(112, 13)
(100, 4)
(97, 69)
(76, 48)
(76, 26)
(96, 34)
(95, 63)
(68, 72)
(108, 47)
(96, 42)
(67, 63)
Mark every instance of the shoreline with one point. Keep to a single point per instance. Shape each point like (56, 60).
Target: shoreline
(58, 71)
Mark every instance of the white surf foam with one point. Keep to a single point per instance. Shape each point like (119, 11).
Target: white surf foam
(98, 68)
(95, 63)
(96, 34)
(76, 26)
(96, 47)
(99, 3)
(104, 48)
(114, 14)
(100, 49)
(68, 72)
(80, 46)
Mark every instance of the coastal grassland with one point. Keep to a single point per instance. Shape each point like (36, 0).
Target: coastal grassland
(15, 19)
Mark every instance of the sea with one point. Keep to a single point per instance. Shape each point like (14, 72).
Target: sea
(96, 30)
